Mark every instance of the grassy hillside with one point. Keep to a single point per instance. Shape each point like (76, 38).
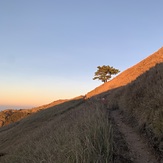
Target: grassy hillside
(130, 74)
(81, 130)
(9, 116)
(142, 103)
(75, 131)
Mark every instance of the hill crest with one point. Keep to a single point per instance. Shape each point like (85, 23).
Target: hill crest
(130, 74)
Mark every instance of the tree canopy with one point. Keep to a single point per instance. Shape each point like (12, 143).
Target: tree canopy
(104, 73)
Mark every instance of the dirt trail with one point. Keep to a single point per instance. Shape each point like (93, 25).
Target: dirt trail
(140, 152)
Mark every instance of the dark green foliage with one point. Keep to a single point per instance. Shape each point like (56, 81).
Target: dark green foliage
(104, 73)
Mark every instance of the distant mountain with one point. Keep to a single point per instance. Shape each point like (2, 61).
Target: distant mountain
(130, 74)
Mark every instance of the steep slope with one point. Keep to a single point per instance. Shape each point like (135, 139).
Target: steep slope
(130, 74)
(141, 102)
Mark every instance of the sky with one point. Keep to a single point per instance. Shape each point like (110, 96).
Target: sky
(50, 49)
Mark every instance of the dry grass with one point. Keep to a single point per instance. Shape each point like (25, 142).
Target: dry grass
(10, 116)
(78, 131)
(142, 101)
(130, 74)
(138, 91)
(73, 132)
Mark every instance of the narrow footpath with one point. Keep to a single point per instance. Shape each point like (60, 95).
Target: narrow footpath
(140, 151)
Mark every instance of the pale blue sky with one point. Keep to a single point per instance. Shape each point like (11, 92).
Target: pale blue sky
(49, 49)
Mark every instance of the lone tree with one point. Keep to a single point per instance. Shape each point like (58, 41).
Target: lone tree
(104, 73)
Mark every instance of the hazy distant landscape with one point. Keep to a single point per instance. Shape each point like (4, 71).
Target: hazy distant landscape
(4, 107)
